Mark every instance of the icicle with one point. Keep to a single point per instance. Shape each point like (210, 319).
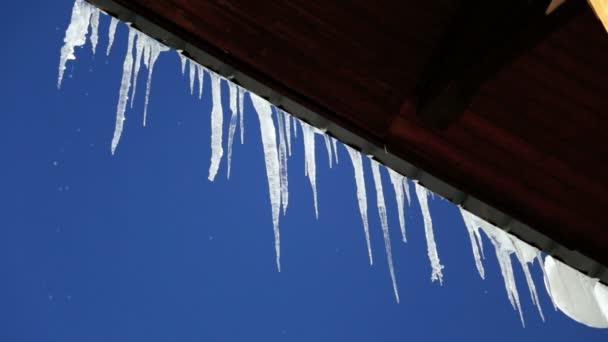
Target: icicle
(328, 147)
(384, 223)
(153, 49)
(505, 245)
(295, 126)
(472, 224)
(123, 96)
(94, 29)
(111, 34)
(287, 120)
(335, 144)
(242, 114)
(309, 160)
(397, 181)
(192, 71)
(217, 118)
(271, 159)
(283, 161)
(75, 35)
(139, 51)
(201, 76)
(406, 189)
(357, 161)
(526, 255)
(436, 266)
(183, 61)
(232, 89)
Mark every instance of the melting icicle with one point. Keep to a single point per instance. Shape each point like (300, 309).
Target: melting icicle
(406, 188)
(192, 72)
(436, 266)
(397, 181)
(94, 29)
(232, 89)
(111, 34)
(217, 118)
(526, 255)
(384, 223)
(153, 49)
(139, 52)
(271, 158)
(75, 35)
(183, 61)
(472, 223)
(309, 160)
(123, 96)
(283, 161)
(505, 245)
(242, 114)
(287, 120)
(335, 144)
(328, 147)
(201, 75)
(355, 157)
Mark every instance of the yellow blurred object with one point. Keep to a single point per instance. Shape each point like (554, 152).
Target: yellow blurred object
(601, 10)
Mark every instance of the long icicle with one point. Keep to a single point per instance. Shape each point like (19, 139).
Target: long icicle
(384, 223)
(125, 84)
(153, 49)
(94, 29)
(287, 121)
(217, 123)
(139, 52)
(241, 93)
(271, 158)
(397, 181)
(436, 266)
(310, 161)
(357, 161)
(283, 161)
(232, 89)
(111, 34)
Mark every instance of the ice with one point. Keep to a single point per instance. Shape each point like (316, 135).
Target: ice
(183, 60)
(94, 29)
(217, 122)
(287, 121)
(232, 90)
(271, 158)
(357, 161)
(153, 50)
(328, 147)
(576, 294)
(505, 246)
(384, 223)
(473, 223)
(397, 181)
(526, 255)
(111, 34)
(601, 296)
(308, 134)
(201, 75)
(436, 266)
(125, 84)
(139, 52)
(192, 72)
(242, 114)
(75, 35)
(406, 188)
(335, 144)
(283, 160)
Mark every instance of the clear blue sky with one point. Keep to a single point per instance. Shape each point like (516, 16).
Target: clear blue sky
(141, 247)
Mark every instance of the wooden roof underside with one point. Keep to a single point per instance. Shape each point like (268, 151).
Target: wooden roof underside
(501, 110)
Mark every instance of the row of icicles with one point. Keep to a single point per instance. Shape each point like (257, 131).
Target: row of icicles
(276, 141)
